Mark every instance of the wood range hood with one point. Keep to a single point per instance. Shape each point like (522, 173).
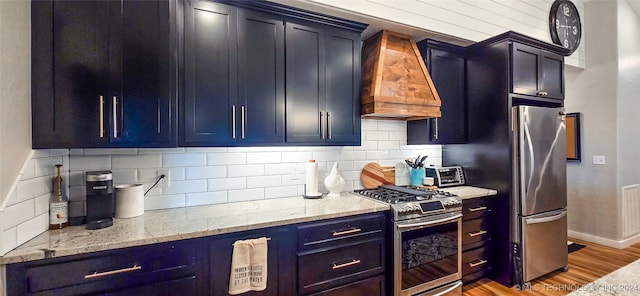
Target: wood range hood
(395, 81)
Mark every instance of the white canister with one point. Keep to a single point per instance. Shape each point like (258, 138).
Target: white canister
(129, 200)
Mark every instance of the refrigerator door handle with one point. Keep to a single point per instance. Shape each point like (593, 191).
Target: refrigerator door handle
(546, 219)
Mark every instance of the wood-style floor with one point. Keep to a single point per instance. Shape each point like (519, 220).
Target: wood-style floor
(585, 266)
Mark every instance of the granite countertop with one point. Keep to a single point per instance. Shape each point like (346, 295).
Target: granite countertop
(190, 222)
(467, 192)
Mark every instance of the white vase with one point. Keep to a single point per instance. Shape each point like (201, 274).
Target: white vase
(334, 182)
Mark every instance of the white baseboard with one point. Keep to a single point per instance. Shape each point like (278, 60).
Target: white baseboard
(618, 244)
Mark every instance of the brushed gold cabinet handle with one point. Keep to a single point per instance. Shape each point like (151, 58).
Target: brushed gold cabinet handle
(477, 209)
(115, 117)
(99, 274)
(343, 265)
(101, 116)
(350, 231)
(481, 232)
(233, 121)
(477, 263)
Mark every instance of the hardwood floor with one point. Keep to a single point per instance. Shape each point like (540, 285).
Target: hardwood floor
(585, 266)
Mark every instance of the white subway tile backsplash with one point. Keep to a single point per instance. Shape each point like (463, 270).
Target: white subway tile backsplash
(207, 198)
(136, 161)
(18, 213)
(32, 228)
(125, 176)
(187, 186)
(29, 170)
(367, 145)
(76, 152)
(9, 240)
(282, 191)
(392, 125)
(377, 154)
(77, 193)
(282, 169)
(28, 189)
(42, 204)
(245, 194)
(353, 155)
(221, 158)
(280, 149)
(331, 155)
(369, 125)
(59, 152)
(205, 149)
(110, 151)
(76, 178)
(388, 145)
(298, 156)
(38, 153)
(164, 202)
(263, 181)
(377, 136)
(161, 150)
(398, 136)
(226, 184)
(264, 157)
(205, 172)
(245, 170)
(184, 160)
(76, 208)
(90, 163)
(13, 197)
(293, 179)
(245, 149)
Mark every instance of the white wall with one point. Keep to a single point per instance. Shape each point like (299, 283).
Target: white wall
(15, 92)
(473, 20)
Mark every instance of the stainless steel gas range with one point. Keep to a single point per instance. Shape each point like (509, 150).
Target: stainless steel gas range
(427, 239)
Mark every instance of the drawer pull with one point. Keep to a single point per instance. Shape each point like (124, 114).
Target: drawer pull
(481, 232)
(343, 265)
(97, 274)
(477, 209)
(477, 263)
(350, 231)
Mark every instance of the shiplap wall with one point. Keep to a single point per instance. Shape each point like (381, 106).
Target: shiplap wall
(473, 20)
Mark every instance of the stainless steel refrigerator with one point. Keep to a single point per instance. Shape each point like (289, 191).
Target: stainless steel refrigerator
(539, 221)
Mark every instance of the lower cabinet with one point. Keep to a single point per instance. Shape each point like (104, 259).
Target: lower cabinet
(161, 269)
(477, 236)
(280, 261)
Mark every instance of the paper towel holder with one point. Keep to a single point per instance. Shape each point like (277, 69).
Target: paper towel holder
(304, 195)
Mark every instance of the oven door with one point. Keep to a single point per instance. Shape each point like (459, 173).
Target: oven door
(427, 253)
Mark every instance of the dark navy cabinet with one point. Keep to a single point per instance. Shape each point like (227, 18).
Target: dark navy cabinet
(323, 78)
(103, 74)
(234, 76)
(536, 72)
(446, 65)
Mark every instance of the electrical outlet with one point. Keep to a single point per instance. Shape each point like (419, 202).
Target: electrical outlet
(166, 181)
(599, 159)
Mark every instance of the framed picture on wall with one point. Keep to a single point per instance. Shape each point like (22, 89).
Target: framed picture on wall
(573, 137)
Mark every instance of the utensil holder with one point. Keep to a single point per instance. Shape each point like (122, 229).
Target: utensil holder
(417, 176)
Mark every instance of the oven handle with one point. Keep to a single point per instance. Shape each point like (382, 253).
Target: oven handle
(427, 223)
(449, 290)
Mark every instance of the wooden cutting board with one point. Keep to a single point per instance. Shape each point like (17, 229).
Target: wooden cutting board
(374, 175)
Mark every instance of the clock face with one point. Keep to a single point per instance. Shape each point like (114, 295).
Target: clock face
(564, 24)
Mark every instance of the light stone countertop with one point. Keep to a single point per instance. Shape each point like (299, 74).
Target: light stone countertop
(467, 192)
(190, 222)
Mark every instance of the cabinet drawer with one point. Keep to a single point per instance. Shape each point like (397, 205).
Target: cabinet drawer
(476, 207)
(475, 260)
(117, 269)
(475, 231)
(332, 267)
(371, 287)
(339, 231)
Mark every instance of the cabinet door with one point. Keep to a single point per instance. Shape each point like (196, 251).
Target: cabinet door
(342, 88)
(260, 116)
(525, 69)
(552, 75)
(142, 81)
(280, 262)
(210, 73)
(69, 73)
(447, 69)
(305, 59)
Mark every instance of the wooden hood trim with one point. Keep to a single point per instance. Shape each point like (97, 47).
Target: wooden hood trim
(395, 81)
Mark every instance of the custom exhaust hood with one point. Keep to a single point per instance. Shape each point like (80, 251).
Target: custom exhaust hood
(395, 81)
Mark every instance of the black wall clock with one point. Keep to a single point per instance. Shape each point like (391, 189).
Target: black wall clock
(564, 25)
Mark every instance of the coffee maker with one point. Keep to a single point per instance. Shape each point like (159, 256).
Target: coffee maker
(100, 199)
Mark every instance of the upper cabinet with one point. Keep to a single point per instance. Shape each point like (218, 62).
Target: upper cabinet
(537, 72)
(234, 76)
(446, 65)
(103, 74)
(323, 79)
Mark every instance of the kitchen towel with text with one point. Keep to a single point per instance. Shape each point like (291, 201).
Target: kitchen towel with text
(248, 266)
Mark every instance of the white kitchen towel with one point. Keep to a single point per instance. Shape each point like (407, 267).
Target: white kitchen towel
(248, 266)
(240, 277)
(259, 264)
